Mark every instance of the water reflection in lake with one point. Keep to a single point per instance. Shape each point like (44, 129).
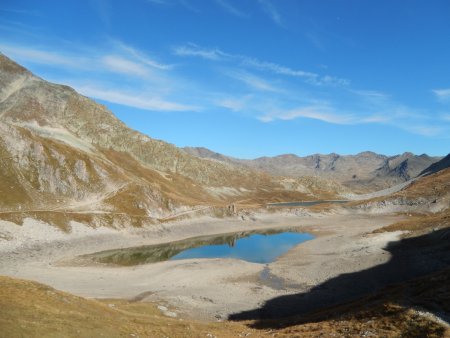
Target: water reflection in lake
(253, 246)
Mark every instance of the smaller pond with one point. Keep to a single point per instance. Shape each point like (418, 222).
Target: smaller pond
(252, 246)
(302, 204)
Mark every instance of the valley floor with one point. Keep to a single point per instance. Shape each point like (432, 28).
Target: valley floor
(206, 289)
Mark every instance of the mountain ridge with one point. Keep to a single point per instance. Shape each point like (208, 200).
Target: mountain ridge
(361, 172)
(437, 166)
(66, 152)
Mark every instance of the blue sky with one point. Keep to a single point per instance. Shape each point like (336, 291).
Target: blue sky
(250, 78)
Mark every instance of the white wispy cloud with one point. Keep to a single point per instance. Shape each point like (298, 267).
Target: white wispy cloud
(144, 101)
(316, 113)
(270, 109)
(328, 114)
(276, 68)
(216, 54)
(141, 57)
(310, 77)
(253, 81)
(121, 74)
(205, 53)
(191, 49)
(230, 8)
(19, 28)
(234, 104)
(20, 11)
(442, 94)
(125, 60)
(47, 57)
(121, 65)
(376, 118)
(272, 12)
(424, 130)
(370, 94)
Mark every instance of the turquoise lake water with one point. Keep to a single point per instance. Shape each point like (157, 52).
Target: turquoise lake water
(256, 248)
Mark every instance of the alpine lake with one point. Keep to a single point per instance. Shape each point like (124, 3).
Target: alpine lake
(257, 246)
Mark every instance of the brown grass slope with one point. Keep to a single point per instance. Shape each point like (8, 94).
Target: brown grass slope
(435, 186)
(430, 190)
(428, 194)
(30, 309)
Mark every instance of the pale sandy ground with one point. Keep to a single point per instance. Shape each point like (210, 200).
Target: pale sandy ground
(199, 288)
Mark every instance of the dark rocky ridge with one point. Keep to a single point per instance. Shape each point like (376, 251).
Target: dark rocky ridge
(437, 166)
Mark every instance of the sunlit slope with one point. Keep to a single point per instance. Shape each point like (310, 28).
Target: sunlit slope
(427, 194)
(30, 309)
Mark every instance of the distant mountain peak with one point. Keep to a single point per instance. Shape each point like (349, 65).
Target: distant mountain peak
(363, 171)
(407, 154)
(369, 153)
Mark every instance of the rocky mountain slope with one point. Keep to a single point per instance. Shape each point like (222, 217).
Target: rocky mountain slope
(437, 166)
(361, 172)
(427, 195)
(63, 153)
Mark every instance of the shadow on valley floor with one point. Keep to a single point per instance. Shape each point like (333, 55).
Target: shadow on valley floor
(410, 258)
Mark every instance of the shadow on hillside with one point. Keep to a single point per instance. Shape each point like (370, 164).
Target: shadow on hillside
(410, 258)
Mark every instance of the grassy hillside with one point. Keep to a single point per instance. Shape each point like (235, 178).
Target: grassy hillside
(29, 309)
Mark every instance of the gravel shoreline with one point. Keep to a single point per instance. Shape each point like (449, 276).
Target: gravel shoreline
(206, 289)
